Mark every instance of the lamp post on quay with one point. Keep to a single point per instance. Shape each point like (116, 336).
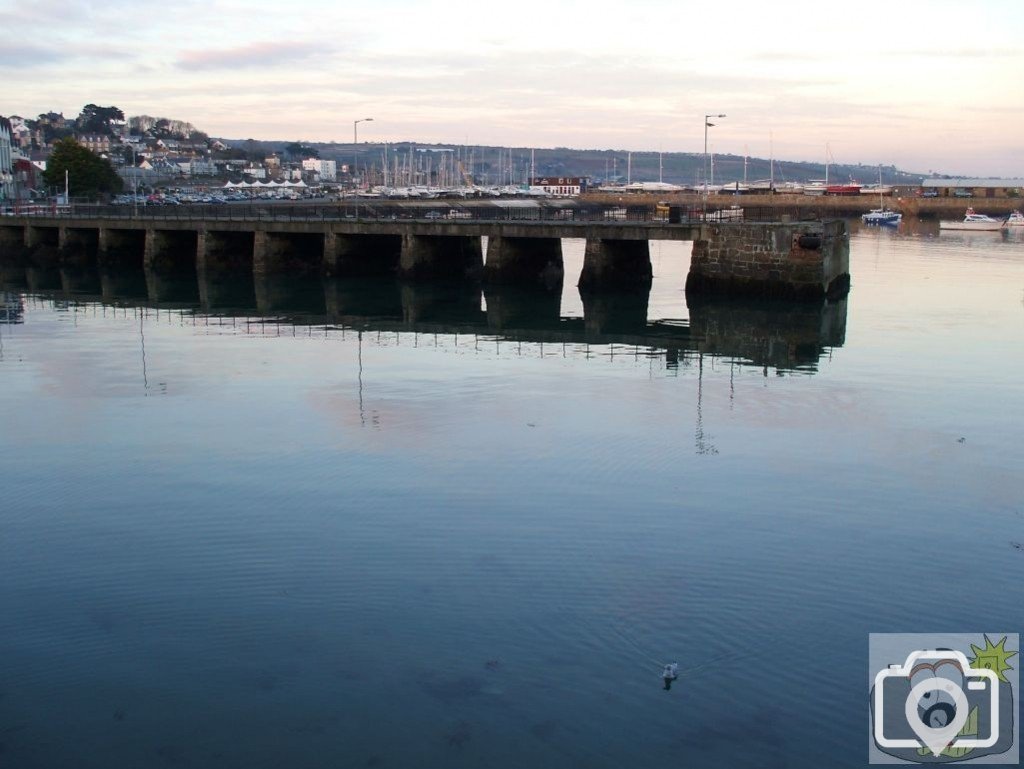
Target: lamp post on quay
(704, 203)
(355, 141)
(135, 182)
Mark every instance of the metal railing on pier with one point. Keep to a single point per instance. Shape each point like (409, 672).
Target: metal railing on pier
(443, 212)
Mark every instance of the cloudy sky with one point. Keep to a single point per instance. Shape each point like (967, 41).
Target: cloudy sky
(930, 85)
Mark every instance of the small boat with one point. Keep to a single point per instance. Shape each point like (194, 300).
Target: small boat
(815, 187)
(973, 221)
(1015, 219)
(882, 216)
(843, 189)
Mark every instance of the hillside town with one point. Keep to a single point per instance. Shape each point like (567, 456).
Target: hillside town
(148, 152)
(158, 160)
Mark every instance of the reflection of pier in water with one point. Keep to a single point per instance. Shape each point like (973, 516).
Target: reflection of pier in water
(778, 335)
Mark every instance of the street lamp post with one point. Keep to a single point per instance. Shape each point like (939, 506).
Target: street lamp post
(135, 182)
(355, 141)
(704, 205)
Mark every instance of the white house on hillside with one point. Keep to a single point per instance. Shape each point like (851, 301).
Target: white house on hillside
(6, 161)
(326, 170)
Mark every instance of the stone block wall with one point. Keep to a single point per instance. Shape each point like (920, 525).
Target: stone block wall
(803, 260)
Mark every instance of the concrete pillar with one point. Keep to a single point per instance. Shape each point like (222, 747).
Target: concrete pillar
(616, 265)
(801, 260)
(154, 246)
(202, 244)
(361, 255)
(261, 253)
(524, 261)
(330, 250)
(426, 257)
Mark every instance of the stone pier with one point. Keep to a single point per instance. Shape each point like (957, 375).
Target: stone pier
(616, 265)
(805, 260)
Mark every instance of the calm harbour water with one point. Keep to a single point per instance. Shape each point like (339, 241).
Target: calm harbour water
(262, 539)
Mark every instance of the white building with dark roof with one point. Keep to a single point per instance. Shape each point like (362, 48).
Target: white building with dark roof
(6, 161)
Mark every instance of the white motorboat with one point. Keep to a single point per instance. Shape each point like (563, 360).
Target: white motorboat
(972, 221)
(1015, 219)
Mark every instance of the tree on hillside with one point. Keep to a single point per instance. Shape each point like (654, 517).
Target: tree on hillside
(297, 150)
(88, 173)
(97, 120)
(254, 150)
